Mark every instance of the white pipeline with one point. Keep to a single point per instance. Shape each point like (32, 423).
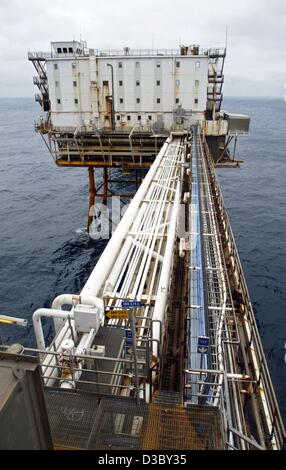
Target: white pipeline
(37, 323)
(106, 261)
(164, 283)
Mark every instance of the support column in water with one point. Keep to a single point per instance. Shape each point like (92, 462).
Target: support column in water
(92, 193)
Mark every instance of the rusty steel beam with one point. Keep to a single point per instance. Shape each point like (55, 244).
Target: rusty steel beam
(92, 163)
(237, 166)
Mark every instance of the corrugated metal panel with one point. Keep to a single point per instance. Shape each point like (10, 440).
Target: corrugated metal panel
(238, 123)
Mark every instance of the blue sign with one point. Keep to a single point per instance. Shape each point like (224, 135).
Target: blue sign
(128, 342)
(128, 334)
(203, 345)
(128, 349)
(130, 304)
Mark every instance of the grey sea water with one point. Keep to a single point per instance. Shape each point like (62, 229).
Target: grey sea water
(43, 209)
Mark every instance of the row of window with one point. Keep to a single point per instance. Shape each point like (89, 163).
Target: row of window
(59, 101)
(158, 64)
(196, 101)
(138, 101)
(118, 117)
(68, 50)
(57, 84)
(56, 67)
(137, 65)
(158, 83)
(120, 83)
(120, 64)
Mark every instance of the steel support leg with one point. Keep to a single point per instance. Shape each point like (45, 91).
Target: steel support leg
(105, 185)
(92, 193)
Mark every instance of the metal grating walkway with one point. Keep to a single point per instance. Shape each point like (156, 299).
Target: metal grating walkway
(85, 421)
(71, 417)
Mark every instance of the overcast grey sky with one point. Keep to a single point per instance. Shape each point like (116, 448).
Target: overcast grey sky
(256, 62)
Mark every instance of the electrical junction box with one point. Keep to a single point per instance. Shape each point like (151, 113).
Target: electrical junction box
(95, 353)
(87, 318)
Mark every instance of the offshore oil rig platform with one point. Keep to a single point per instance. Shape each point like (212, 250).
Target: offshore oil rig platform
(160, 349)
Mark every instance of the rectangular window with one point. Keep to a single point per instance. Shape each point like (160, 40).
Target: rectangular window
(128, 118)
(56, 66)
(74, 65)
(57, 84)
(58, 101)
(70, 50)
(196, 101)
(121, 100)
(65, 50)
(59, 49)
(158, 83)
(178, 64)
(177, 100)
(177, 82)
(120, 83)
(106, 117)
(105, 83)
(197, 83)
(158, 64)
(138, 100)
(137, 65)
(150, 118)
(118, 118)
(75, 101)
(198, 64)
(139, 118)
(137, 83)
(158, 100)
(74, 84)
(120, 65)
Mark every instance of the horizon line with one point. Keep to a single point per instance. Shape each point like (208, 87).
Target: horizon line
(225, 96)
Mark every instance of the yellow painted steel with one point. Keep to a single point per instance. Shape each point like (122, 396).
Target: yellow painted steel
(61, 447)
(118, 314)
(169, 428)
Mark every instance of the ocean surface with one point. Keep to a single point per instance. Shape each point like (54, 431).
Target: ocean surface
(44, 250)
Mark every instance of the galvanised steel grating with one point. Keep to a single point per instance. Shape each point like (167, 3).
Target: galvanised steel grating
(86, 421)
